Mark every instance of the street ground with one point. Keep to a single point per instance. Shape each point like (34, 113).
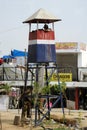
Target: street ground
(7, 119)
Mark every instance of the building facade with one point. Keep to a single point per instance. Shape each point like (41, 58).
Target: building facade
(71, 58)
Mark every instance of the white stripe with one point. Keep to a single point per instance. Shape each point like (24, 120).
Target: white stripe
(32, 42)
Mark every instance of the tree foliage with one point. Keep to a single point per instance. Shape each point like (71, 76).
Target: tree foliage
(5, 87)
(54, 89)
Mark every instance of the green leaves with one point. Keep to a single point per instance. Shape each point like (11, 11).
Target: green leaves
(5, 88)
(54, 89)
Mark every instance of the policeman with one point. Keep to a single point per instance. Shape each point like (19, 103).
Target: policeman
(25, 103)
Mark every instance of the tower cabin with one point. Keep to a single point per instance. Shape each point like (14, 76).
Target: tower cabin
(41, 48)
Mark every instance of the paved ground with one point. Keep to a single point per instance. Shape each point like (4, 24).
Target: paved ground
(7, 119)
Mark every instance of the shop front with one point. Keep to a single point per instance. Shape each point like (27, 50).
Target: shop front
(77, 96)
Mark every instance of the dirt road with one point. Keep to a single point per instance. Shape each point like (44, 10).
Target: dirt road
(7, 119)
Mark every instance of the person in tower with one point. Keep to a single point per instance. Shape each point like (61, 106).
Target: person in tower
(46, 28)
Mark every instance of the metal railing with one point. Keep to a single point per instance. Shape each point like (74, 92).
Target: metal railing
(13, 73)
(16, 73)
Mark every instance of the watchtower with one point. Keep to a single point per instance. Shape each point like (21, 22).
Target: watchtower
(41, 48)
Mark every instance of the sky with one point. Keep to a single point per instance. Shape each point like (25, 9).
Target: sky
(14, 34)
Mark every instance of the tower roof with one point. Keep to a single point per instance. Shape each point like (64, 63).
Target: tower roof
(42, 16)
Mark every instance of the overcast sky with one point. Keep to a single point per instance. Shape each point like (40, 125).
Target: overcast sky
(14, 34)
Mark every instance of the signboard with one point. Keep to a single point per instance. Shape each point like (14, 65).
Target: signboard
(66, 45)
(83, 46)
(67, 77)
(70, 45)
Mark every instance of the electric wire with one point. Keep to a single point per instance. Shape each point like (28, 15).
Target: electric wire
(11, 29)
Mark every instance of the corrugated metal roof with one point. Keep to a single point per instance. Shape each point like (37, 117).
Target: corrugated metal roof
(42, 16)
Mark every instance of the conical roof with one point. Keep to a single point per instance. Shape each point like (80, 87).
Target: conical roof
(41, 16)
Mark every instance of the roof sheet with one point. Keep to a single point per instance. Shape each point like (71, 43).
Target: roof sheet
(19, 53)
(8, 57)
(42, 16)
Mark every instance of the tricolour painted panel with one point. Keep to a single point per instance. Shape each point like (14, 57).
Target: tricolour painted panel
(41, 34)
(32, 42)
(41, 53)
